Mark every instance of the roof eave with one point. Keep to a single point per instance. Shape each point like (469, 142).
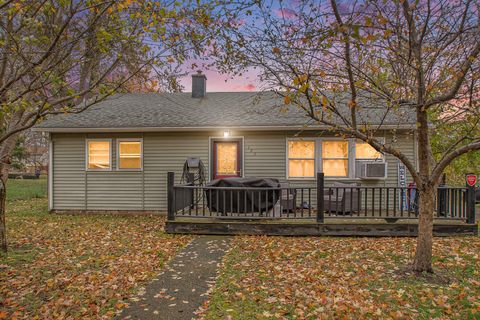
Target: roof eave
(209, 128)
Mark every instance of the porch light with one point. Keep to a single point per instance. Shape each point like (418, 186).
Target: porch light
(226, 134)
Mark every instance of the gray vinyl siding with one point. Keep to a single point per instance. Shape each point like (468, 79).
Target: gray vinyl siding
(114, 191)
(264, 156)
(68, 171)
(166, 152)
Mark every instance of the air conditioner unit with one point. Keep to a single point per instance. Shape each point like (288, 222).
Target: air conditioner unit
(373, 170)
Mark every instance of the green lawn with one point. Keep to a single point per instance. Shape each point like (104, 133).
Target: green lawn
(75, 267)
(22, 189)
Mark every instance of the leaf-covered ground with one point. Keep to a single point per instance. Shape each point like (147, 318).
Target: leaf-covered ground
(83, 267)
(345, 278)
(77, 267)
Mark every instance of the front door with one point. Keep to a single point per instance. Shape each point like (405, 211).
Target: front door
(227, 160)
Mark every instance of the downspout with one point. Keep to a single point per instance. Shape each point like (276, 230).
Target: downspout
(143, 170)
(50, 173)
(85, 136)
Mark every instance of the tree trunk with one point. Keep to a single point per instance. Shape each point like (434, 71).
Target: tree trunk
(423, 255)
(6, 150)
(3, 224)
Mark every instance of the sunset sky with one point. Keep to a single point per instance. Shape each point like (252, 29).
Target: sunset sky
(217, 82)
(249, 81)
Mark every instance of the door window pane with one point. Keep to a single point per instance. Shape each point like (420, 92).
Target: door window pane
(301, 159)
(130, 155)
(227, 153)
(98, 155)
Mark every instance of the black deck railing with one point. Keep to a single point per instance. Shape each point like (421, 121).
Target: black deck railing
(389, 203)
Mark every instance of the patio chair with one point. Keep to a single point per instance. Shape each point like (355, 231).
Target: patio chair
(343, 198)
(287, 198)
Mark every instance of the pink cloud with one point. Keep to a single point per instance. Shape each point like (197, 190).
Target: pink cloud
(285, 13)
(250, 87)
(217, 82)
(243, 87)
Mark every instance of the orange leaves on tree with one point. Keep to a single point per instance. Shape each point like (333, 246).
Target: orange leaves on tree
(352, 104)
(324, 101)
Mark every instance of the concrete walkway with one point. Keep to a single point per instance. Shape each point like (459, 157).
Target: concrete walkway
(182, 288)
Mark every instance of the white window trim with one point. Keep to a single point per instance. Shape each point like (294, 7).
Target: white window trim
(87, 153)
(319, 160)
(351, 152)
(315, 158)
(118, 153)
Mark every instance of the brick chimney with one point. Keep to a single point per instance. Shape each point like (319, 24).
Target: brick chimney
(199, 85)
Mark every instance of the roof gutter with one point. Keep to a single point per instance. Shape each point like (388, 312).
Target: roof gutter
(180, 129)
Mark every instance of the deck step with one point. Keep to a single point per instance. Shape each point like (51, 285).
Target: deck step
(316, 229)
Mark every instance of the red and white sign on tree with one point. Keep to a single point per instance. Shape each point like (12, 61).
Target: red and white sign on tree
(471, 179)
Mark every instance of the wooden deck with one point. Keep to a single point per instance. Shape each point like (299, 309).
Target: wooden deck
(309, 227)
(314, 211)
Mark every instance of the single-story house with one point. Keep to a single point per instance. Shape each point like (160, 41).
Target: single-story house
(116, 155)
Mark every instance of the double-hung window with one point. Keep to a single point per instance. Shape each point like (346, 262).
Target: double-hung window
(364, 151)
(99, 155)
(335, 158)
(301, 158)
(129, 154)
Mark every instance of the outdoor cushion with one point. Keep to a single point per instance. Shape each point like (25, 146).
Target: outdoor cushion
(347, 200)
(340, 190)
